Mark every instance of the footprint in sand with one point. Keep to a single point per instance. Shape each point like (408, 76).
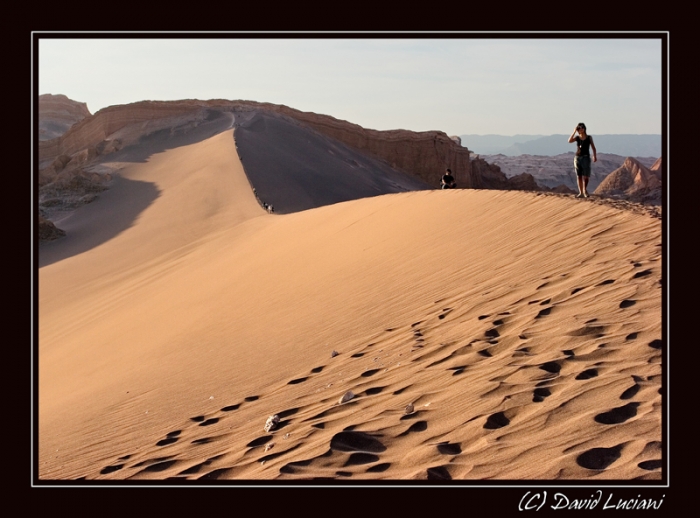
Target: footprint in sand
(587, 374)
(410, 416)
(252, 398)
(359, 458)
(356, 442)
(111, 469)
(618, 415)
(260, 441)
(216, 474)
(158, 466)
(297, 381)
(369, 373)
(289, 467)
(599, 458)
(497, 420)
(551, 367)
(378, 468)
(316, 370)
(627, 303)
(287, 413)
(148, 462)
(631, 336)
(195, 469)
(230, 408)
(630, 392)
(209, 422)
(447, 448)
(169, 439)
(651, 465)
(641, 274)
(588, 330)
(418, 426)
(439, 473)
(544, 312)
(607, 281)
(540, 393)
(656, 344)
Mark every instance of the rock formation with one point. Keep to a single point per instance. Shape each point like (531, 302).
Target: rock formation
(490, 176)
(67, 162)
(57, 113)
(634, 182)
(552, 171)
(48, 231)
(424, 154)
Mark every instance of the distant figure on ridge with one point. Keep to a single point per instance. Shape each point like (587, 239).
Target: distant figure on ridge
(448, 181)
(582, 160)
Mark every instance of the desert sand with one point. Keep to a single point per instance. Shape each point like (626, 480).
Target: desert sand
(484, 335)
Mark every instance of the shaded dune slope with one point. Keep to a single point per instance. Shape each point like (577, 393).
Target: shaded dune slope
(293, 167)
(526, 333)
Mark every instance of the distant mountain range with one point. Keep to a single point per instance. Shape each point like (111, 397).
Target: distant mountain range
(550, 145)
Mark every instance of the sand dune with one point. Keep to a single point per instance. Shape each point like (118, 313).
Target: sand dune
(524, 328)
(294, 168)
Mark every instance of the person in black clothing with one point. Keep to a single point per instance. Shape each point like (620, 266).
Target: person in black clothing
(448, 181)
(582, 160)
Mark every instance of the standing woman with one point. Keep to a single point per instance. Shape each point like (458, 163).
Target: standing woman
(582, 160)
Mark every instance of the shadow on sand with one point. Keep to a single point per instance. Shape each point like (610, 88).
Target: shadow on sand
(295, 168)
(117, 208)
(91, 225)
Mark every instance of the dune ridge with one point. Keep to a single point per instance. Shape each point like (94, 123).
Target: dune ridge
(524, 329)
(424, 155)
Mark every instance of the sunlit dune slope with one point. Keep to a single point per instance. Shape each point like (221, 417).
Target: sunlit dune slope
(512, 322)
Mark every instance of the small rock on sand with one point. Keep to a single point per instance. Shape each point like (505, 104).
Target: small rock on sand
(271, 422)
(346, 397)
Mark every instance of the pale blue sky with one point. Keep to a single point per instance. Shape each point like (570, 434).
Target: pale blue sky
(459, 86)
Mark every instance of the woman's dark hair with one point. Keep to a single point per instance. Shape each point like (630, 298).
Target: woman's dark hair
(581, 125)
(449, 170)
